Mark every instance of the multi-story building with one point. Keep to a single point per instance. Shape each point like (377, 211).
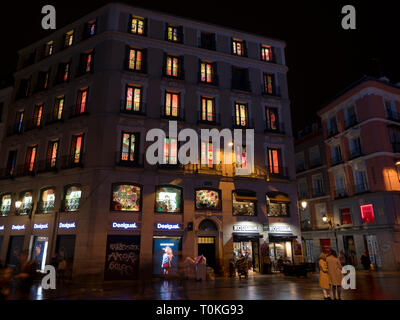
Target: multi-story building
(361, 131)
(5, 99)
(313, 191)
(76, 181)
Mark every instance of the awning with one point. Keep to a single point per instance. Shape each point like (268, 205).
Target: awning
(281, 237)
(278, 197)
(239, 237)
(241, 195)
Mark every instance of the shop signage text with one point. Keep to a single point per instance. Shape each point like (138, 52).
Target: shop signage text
(66, 225)
(18, 227)
(245, 227)
(41, 226)
(167, 226)
(124, 225)
(277, 228)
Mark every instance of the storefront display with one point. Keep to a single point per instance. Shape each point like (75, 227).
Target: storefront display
(15, 247)
(72, 198)
(208, 199)
(168, 199)
(244, 203)
(65, 248)
(126, 197)
(39, 251)
(166, 255)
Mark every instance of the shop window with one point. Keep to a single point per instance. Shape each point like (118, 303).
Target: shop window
(135, 59)
(47, 200)
(266, 53)
(126, 197)
(129, 147)
(166, 255)
(169, 199)
(137, 25)
(133, 100)
(345, 215)
(27, 203)
(207, 109)
(277, 204)
(30, 159)
(367, 213)
(72, 198)
(208, 225)
(244, 203)
(52, 151)
(241, 114)
(5, 204)
(208, 199)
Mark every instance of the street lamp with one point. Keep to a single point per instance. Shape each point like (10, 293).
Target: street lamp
(304, 204)
(325, 219)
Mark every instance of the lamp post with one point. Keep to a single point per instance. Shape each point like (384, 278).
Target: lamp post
(331, 225)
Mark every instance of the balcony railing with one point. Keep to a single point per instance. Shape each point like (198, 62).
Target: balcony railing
(341, 193)
(337, 159)
(279, 128)
(45, 207)
(179, 117)
(5, 210)
(71, 205)
(278, 172)
(239, 124)
(351, 121)
(355, 153)
(216, 119)
(203, 168)
(137, 163)
(69, 162)
(361, 188)
(25, 209)
(140, 112)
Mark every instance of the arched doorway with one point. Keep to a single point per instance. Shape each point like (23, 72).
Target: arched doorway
(206, 241)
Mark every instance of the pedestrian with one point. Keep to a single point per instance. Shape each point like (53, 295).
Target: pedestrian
(242, 266)
(26, 273)
(324, 281)
(232, 263)
(5, 278)
(366, 261)
(335, 274)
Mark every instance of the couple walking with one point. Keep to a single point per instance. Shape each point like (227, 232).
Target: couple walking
(330, 275)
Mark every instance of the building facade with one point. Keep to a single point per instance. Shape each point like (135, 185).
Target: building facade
(360, 129)
(313, 189)
(76, 181)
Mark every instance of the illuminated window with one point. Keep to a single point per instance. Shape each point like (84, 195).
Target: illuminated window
(52, 151)
(241, 114)
(90, 28)
(129, 147)
(30, 158)
(207, 109)
(274, 161)
(277, 204)
(72, 198)
(19, 121)
(272, 119)
(37, 115)
(207, 154)
(207, 72)
(367, 213)
(126, 197)
(170, 151)
(63, 72)
(68, 39)
(49, 48)
(76, 149)
(5, 204)
(208, 199)
(47, 200)
(244, 203)
(135, 59)
(266, 53)
(42, 80)
(86, 62)
(58, 108)
(11, 162)
(81, 101)
(238, 47)
(240, 157)
(269, 83)
(174, 33)
(27, 204)
(345, 215)
(133, 99)
(173, 67)
(137, 25)
(172, 104)
(168, 199)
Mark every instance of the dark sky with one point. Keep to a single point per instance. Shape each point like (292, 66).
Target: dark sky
(323, 59)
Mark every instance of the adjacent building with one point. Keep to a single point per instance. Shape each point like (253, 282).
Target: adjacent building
(75, 178)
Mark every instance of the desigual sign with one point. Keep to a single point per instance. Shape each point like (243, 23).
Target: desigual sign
(168, 226)
(124, 225)
(245, 227)
(41, 226)
(66, 225)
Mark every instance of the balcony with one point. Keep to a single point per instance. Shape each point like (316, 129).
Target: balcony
(278, 172)
(355, 153)
(71, 205)
(25, 209)
(279, 128)
(179, 117)
(45, 207)
(239, 124)
(336, 160)
(70, 162)
(5, 210)
(140, 112)
(351, 122)
(361, 188)
(138, 163)
(341, 193)
(215, 121)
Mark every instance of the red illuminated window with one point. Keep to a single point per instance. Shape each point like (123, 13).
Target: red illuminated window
(173, 66)
(82, 101)
(274, 161)
(346, 216)
(367, 213)
(325, 245)
(272, 119)
(207, 109)
(52, 151)
(30, 158)
(37, 115)
(76, 148)
(269, 84)
(266, 53)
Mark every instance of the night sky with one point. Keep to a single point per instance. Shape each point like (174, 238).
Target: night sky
(323, 59)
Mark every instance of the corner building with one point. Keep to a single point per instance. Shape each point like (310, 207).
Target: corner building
(75, 180)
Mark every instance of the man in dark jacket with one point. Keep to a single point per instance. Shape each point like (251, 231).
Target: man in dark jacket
(366, 261)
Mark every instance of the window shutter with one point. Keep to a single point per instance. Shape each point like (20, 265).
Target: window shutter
(144, 60)
(92, 62)
(164, 70)
(146, 25)
(244, 48)
(130, 24)
(180, 30)
(181, 68)
(126, 63)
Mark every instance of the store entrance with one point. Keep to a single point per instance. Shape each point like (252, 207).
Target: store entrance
(38, 251)
(252, 248)
(280, 254)
(206, 247)
(15, 247)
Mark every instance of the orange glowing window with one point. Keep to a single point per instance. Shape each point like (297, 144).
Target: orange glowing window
(30, 158)
(172, 104)
(207, 109)
(133, 98)
(274, 160)
(135, 59)
(76, 148)
(207, 72)
(37, 115)
(82, 100)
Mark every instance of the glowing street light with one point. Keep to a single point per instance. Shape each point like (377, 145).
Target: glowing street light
(304, 204)
(325, 218)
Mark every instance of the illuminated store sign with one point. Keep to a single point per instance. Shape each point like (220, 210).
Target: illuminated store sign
(2, 228)
(167, 226)
(279, 228)
(123, 225)
(245, 227)
(66, 225)
(41, 226)
(18, 227)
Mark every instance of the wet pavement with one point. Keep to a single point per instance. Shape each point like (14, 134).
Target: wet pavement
(369, 286)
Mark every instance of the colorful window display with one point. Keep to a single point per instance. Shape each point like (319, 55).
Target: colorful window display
(47, 201)
(207, 109)
(126, 197)
(52, 151)
(237, 47)
(277, 205)
(241, 114)
(168, 199)
(208, 199)
(133, 98)
(72, 198)
(170, 155)
(135, 59)
(207, 72)
(172, 102)
(128, 148)
(30, 158)
(207, 154)
(165, 255)
(37, 115)
(174, 34)
(274, 161)
(81, 101)
(266, 53)
(269, 83)
(272, 118)
(76, 148)
(5, 204)
(58, 108)
(137, 25)
(26, 202)
(241, 157)
(173, 66)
